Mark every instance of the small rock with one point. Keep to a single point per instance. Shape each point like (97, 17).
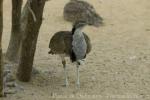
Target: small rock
(115, 58)
(124, 61)
(10, 78)
(11, 84)
(18, 97)
(132, 57)
(6, 72)
(140, 58)
(10, 91)
(32, 93)
(93, 79)
(145, 57)
(35, 71)
(147, 29)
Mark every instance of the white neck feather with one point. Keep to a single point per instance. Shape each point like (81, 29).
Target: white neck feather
(78, 32)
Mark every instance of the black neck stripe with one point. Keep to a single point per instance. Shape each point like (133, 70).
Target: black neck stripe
(73, 30)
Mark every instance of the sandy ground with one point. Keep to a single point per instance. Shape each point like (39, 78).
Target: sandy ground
(118, 68)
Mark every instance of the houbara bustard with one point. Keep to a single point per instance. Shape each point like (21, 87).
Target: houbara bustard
(76, 10)
(74, 44)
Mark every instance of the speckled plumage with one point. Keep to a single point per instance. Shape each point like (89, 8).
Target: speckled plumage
(76, 10)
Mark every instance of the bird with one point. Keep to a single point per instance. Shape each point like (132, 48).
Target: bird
(76, 10)
(74, 44)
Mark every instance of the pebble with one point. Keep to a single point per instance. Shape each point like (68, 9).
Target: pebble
(11, 84)
(93, 79)
(10, 78)
(10, 91)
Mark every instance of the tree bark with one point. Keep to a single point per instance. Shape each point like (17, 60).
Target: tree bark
(1, 30)
(15, 39)
(29, 41)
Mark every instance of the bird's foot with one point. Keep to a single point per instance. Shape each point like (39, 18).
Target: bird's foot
(66, 84)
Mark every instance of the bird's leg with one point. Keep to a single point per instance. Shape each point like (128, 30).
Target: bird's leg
(65, 72)
(78, 76)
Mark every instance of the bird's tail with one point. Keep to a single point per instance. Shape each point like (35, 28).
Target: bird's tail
(81, 62)
(50, 52)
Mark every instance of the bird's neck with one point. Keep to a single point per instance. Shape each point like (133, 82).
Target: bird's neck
(77, 31)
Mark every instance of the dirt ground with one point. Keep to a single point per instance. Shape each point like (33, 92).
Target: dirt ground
(118, 68)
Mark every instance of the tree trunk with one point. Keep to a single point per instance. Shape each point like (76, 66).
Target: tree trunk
(14, 44)
(1, 30)
(29, 41)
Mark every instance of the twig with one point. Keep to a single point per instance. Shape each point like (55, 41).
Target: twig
(31, 11)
